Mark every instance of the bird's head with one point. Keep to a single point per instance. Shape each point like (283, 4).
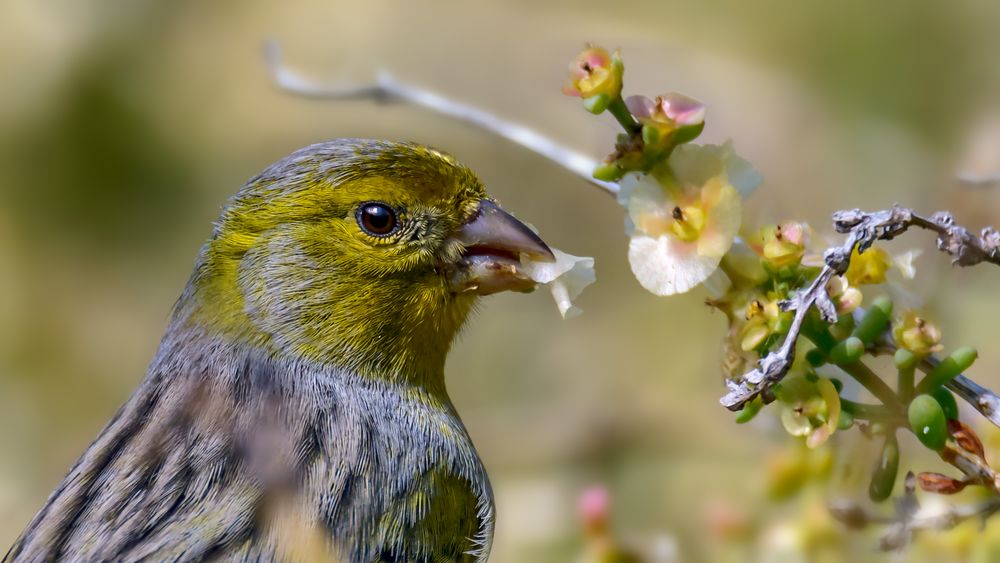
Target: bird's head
(367, 255)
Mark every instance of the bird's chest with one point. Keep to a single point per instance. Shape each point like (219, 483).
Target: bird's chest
(405, 477)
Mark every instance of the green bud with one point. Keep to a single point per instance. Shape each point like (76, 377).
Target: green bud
(959, 361)
(749, 411)
(875, 321)
(597, 104)
(815, 357)
(837, 384)
(608, 172)
(928, 422)
(884, 474)
(905, 359)
(845, 421)
(847, 351)
(947, 401)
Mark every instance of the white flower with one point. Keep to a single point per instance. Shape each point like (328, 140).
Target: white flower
(682, 223)
(566, 278)
(904, 263)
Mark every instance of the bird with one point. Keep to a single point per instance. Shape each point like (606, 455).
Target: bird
(296, 407)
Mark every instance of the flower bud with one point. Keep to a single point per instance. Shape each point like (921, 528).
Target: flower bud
(847, 351)
(884, 474)
(947, 401)
(875, 321)
(672, 116)
(917, 335)
(928, 422)
(957, 362)
(595, 73)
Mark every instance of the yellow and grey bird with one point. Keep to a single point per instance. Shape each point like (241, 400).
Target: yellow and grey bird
(296, 408)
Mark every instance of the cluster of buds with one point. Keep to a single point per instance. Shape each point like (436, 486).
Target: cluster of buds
(683, 201)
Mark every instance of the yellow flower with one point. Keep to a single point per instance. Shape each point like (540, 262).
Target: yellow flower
(764, 318)
(812, 408)
(917, 335)
(593, 73)
(682, 225)
(869, 267)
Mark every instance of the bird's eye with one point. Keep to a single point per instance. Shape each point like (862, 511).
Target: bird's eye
(377, 219)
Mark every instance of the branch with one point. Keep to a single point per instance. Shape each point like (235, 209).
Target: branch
(863, 229)
(901, 529)
(387, 88)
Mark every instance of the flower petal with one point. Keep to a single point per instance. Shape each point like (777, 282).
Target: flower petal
(666, 266)
(566, 277)
(682, 109)
(640, 106)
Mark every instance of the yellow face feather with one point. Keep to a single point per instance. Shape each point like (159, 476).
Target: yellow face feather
(290, 268)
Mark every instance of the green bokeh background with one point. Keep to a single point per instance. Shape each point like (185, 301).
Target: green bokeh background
(126, 124)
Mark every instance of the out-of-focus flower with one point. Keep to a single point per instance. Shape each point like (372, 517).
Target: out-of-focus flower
(904, 263)
(595, 74)
(783, 245)
(600, 545)
(594, 507)
(665, 114)
(682, 225)
(845, 297)
(566, 278)
(869, 267)
(791, 469)
(811, 408)
(727, 521)
(917, 335)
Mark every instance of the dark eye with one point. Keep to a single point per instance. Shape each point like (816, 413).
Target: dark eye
(377, 219)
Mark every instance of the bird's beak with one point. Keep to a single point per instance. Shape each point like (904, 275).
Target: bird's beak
(494, 243)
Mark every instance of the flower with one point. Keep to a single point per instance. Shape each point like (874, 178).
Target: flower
(868, 267)
(845, 297)
(904, 263)
(783, 245)
(566, 278)
(595, 73)
(812, 408)
(917, 335)
(683, 223)
(764, 318)
(666, 114)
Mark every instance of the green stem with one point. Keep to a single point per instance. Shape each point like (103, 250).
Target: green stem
(618, 109)
(823, 340)
(904, 383)
(818, 333)
(873, 413)
(874, 384)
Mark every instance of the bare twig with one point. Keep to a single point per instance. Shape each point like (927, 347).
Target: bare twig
(863, 229)
(900, 529)
(982, 399)
(386, 89)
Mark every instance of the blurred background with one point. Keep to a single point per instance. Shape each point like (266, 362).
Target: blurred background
(126, 124)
